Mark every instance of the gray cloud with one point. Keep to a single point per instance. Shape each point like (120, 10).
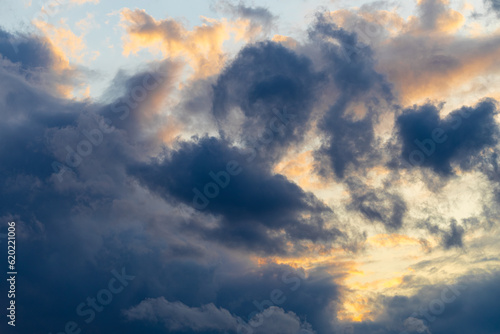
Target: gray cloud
(350, 142)
(262, 21)
(177, 316)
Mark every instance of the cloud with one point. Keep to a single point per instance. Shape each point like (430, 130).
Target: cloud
(392, 240)
(378, 205)
(258, 21)
(449, 238)
(443, 60)
(202, 46)
(493, 4)
(287, 41)
(436, 16)
(189, 189)
(88, 23)
(350, 137)
(268, 299)
(37, 60)
(211, 175)
(137, 100)
(29, 51)
(310, 296)
(439, 74)
(80, 209)
(265, 98)
(432, 142)
(178, 316)
(416, 325)
(100, 210)
(467, 306)
(69, 45)
(454, 237)
(48, 59)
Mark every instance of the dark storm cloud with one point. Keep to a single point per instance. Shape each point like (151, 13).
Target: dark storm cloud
(74, 232)
(233, 293)
(104, 138)
(309, 297)
(75, 217)
(41, 133)
(350, 140)
(178, 317)
(99, 216)
(267, 300)
(46, 218)
(435, 143)
(211, 175)
(264, 81)
(27, 113)
(92, 216)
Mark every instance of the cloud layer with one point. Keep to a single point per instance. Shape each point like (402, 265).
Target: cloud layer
(175, 176)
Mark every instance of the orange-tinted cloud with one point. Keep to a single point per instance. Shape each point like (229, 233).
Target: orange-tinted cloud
(201, 47)
(356, 308)
(289, 42)
(439, 66)
(64, 40)
(68, 49)
(443, 59)
(435, 16)
(392, 240)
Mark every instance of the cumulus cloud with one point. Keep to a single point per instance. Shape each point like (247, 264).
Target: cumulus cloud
(436, 143)
(178, 316)
(210, 175)
(265, 98)
(416, 325)
(37, 60)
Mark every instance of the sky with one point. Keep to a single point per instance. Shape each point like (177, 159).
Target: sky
(298, 167)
